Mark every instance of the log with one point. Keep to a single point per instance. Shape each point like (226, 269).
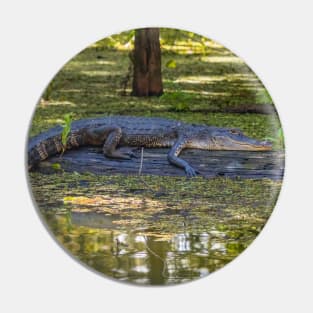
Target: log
(233, 164)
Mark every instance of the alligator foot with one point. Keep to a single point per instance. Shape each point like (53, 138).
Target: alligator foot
(117, 155)
(123, 153)
(190, 172)
(128, 151)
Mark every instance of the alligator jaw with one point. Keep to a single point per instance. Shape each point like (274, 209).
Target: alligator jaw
(258, 146)
(247, 144)
(266, 145)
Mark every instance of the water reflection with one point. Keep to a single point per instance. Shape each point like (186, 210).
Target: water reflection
(135, 256)
(188, 231)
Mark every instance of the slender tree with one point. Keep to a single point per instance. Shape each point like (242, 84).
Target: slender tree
(147, 77)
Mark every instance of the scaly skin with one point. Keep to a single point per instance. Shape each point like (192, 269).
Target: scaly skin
(119, 131)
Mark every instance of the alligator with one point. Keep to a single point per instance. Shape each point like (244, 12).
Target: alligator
(117, 134)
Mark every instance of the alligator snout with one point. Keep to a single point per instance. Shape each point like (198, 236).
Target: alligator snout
(266, 144)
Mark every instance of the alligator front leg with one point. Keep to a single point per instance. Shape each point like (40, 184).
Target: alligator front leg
(173, 158)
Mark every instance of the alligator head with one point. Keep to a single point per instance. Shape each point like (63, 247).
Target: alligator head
(230, 139)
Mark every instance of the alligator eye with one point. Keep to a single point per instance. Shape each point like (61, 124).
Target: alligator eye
(234, 131)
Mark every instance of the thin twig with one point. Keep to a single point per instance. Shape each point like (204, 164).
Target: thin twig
(141, 162)
(140, 170)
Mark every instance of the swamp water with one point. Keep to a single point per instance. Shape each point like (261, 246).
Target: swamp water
(152, 230)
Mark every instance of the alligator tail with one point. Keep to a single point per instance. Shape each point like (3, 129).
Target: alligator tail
(43, 150)
(44, 146)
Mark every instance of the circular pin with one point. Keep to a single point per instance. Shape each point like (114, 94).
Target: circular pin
(190, 178)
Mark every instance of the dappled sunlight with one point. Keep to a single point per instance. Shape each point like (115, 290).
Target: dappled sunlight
(116, 204)
(200, 93)
(246, 80)
(67, 91)
(70, 104)
(103, 62)
(222, 59)
(96, 73)
(113, 41)
(93, 63)
(199, 79)
(191, 46)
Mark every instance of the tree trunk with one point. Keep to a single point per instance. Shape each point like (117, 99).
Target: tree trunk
(147, 80)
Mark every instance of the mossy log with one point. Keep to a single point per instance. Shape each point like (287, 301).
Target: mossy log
(210, 164)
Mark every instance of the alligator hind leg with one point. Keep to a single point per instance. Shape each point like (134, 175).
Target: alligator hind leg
(110, 144)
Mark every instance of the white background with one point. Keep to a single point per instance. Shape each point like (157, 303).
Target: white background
(273, 37)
